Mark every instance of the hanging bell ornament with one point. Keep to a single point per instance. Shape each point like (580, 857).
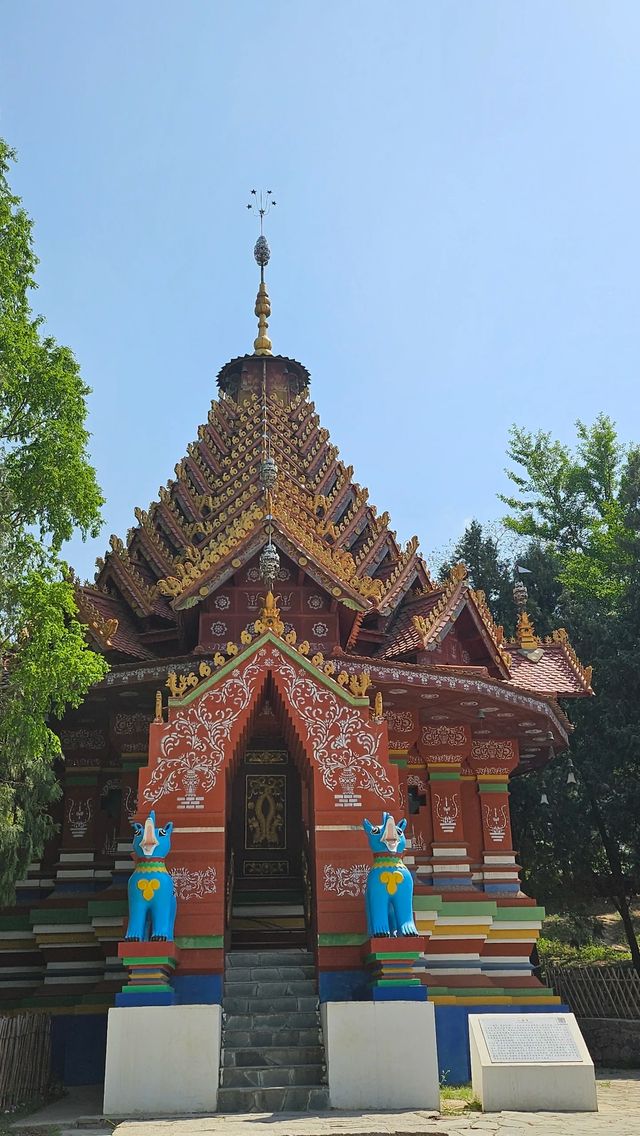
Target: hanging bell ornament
(268, 473)
(544, 800)
(520, 595)
(269, 563)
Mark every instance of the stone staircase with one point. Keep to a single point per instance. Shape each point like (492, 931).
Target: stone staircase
(268, 913)
(272, 1053)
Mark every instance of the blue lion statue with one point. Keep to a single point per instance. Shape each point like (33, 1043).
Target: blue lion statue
(389, 895)
(152, 898)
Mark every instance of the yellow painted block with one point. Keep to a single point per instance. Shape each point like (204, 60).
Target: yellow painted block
(485, 1000)
(447, 931)
(498, 936)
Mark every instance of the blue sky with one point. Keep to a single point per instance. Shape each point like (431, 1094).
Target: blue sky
(455, 247)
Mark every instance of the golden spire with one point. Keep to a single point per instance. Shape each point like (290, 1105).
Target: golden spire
(262, 343)
(261, 205)
(526, 637)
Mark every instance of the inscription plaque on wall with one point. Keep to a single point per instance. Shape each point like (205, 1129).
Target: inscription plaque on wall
(538, 1038)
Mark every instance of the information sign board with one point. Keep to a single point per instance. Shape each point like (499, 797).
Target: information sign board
(539, 1038)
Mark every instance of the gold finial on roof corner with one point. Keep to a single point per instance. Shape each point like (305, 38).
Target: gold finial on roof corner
(261, 205)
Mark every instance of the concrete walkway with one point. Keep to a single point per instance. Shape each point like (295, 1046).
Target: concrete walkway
(619, 1115)
(618, 1095)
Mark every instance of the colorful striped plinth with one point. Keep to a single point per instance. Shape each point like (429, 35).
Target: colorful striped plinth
(151, 967)
(390, 963)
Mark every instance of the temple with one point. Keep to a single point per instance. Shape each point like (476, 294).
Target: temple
(281, 667)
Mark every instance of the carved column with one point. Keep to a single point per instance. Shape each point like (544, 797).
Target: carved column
(492, 762)
(444, 749)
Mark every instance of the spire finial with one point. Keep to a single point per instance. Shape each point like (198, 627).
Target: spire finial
(526, 637)
(261, 205)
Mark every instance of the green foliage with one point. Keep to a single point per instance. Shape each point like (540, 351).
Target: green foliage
(577, 513)
(557, 951)
(487, 570)
(48, 489)
(576, 927)
(585, 505)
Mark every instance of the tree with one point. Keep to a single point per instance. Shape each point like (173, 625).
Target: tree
(48, 490)
(584, 506)
(495, 573)
(487, 569)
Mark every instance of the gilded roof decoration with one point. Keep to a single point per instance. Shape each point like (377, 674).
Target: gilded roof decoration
(210, 517)
(357, 683)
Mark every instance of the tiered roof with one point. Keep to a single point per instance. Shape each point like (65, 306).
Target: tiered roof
(210, 520)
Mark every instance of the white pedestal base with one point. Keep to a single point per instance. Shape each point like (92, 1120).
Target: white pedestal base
(162, 1060)
(531, 1086)
(381, 1055)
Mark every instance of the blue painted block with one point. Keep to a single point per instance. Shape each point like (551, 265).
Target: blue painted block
(198, 989)
(399, 993)
(343, 986)
(153, 998)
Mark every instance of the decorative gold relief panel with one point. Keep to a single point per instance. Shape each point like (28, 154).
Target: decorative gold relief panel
(266, 812)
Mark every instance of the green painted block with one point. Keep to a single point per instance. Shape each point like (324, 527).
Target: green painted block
(41, 915)
(107, 907)
(51, 1000)
(199, 942)
(15, 923)
(529, 992)
(493, 787)
(138, 961)
(443, 775)
(396, 982)
(392, 955)
(427, 902)
(156, 988)
(524, 914)
(337, 940)
(469, 907)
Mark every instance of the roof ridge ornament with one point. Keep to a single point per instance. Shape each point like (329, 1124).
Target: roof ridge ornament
(261, 205)
(526, 637)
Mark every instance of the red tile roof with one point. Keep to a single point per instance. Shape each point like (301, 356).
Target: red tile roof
(405, 637)
(125, 638)
(555, 673)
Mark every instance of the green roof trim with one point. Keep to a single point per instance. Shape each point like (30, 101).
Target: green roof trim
(295, 656)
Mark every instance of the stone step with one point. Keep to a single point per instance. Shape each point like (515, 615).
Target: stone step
(286, 913)
(286, 1004)
(294, 1098)
(295, 956)
(308, 1019)
(274, 1076)
(256, 895)
(284, 1036)
(257, 938)
(266, 883)
(267, 988)
(268, 973)
(260, 1054)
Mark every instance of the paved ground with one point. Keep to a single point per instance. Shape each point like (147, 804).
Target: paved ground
(619, 1115)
